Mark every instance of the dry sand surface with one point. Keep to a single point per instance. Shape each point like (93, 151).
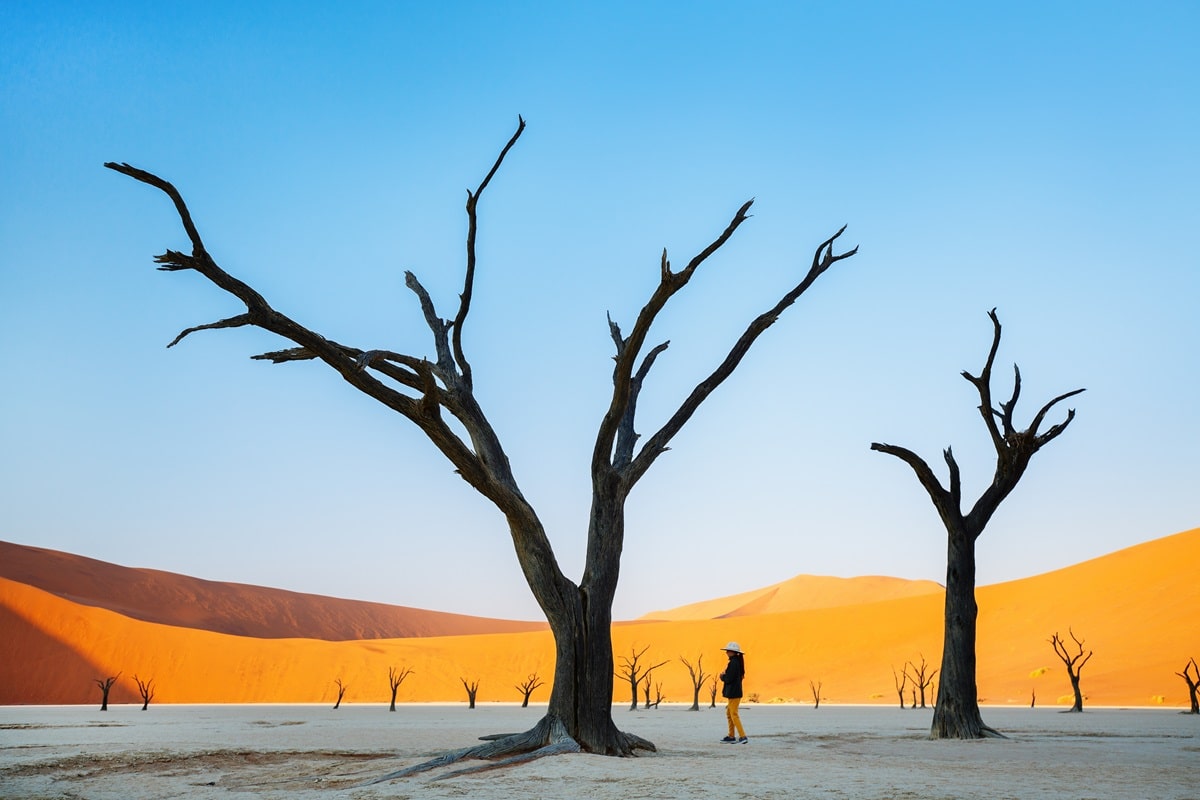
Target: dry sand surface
(310, 751)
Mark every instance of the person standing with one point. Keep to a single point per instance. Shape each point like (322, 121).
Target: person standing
(735, 672)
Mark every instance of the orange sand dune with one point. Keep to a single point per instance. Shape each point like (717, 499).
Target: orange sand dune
(155, 596)
(1135, 608)
(803, 592)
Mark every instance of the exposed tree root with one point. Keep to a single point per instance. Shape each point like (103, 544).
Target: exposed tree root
(549, 737)
(991, 733)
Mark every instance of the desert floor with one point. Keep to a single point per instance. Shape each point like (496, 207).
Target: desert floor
(310, 751)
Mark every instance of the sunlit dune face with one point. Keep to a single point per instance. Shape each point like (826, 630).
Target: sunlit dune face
(1134, 608)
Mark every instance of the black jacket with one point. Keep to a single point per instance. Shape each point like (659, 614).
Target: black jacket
(735, 670)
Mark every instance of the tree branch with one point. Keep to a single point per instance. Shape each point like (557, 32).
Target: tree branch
(464, 305)
(823, 258)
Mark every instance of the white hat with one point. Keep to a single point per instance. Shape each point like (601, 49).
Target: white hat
(732, 647)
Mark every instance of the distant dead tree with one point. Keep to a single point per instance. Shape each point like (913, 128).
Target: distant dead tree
(956, 715)
(105, 684)
(1193, 684)
(1074, 664)
(395, 678)
(437, 395)
(922, 679)
(527, 687)
(633, 672)
(472, 690)
(900, 680)
(815, 688)
(1032, 698)
(712, 693)
(146, 690)
(658, 696)
(340, 693)
(698, 676)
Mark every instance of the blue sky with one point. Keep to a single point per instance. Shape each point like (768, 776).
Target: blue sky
(1038, 158)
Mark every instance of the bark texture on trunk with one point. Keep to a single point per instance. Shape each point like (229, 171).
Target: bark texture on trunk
(956, 712)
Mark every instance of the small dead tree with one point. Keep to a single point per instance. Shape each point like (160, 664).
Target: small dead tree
(712, 693)
(634, 672)
(341, 692)
(146, 690)
(956, 715)
(900, 680)
(105, 685)
(527, 687)
(922, 679)
(472, 690)
(658, 697)
(815, 688)
(1193, 684)
(1074, 664)
(698, 676)
(437, 395)
(395, 678)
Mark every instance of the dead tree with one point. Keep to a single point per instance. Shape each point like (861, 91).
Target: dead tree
(698, 676)
(712, 693)
(105, 684)
(438, 396)
(634, 673)
(922, 679)
(1074, 664)
(956, 715)
(1193, 684)
(527, 687)
(395, 678)
(146, 690)
(900, 680)
(341, 692)
(658, 695)
(472, 690)
(815, 688)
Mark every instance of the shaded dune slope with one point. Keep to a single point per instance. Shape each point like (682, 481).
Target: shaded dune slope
(233, 608)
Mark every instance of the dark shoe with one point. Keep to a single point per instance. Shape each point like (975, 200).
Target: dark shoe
(729, 740)
(744, 740)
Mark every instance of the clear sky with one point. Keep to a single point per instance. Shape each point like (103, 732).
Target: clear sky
(1041, 158)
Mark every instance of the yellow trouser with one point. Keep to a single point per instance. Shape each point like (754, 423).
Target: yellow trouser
(731, 714)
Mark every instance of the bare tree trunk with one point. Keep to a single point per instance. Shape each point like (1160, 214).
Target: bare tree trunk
(816, 693)
(956, 715)
(341, 692)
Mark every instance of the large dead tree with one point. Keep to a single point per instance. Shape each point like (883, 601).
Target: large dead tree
(956, 714)
(1193, 684)
(437, 394)
(1073, 662)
